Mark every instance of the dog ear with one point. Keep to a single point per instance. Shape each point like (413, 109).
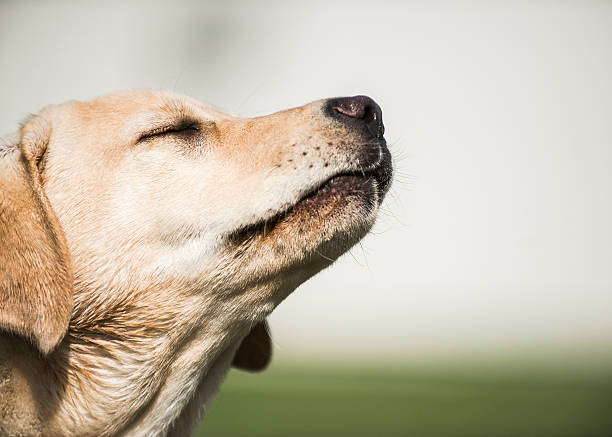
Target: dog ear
(36, 281)
(255, 351)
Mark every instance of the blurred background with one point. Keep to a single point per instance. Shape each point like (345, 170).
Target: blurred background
(481, 303)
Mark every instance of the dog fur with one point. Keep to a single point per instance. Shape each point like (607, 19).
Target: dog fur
(145, 236)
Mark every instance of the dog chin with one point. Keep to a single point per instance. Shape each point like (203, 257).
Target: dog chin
(317, 229)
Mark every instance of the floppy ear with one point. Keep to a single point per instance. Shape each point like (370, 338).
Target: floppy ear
(255, 351)
(35, 273)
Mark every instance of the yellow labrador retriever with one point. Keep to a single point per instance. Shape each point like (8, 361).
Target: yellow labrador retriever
(144, 238)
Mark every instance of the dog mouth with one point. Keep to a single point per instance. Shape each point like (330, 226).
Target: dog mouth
(356, 182)
(364, 183)
(367, 187)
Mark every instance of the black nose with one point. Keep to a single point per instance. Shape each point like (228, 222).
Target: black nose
(361, 109)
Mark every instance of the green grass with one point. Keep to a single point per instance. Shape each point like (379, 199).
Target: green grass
(417, 401)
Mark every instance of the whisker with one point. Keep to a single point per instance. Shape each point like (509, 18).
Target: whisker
(365, 255)
(323, 256)
(355, 258)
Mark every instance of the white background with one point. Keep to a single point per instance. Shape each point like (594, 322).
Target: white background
(496, 235)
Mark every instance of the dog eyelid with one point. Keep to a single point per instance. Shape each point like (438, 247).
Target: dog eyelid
(186, 127)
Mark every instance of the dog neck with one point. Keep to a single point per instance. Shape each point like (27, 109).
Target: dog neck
(127, 374)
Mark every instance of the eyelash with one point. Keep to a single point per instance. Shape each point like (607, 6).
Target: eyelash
(192, 128)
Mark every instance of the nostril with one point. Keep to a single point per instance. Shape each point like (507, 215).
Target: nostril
(355, 107)
(351, 108)
(361, 108)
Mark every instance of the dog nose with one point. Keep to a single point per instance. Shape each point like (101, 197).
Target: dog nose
(361, 108)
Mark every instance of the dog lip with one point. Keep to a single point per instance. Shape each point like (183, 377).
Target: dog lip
(367, 173)
(379, 170)
(330, 185)
(266, 225)
(378, 165)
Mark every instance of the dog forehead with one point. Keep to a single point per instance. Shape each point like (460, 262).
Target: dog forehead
(131, 111)
(163, 103)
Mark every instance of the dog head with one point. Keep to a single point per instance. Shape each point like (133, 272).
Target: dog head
(154, 200)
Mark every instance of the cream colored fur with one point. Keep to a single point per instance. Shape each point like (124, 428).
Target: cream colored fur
(166, 241)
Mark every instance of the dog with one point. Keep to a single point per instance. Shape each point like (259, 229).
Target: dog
(146, 236)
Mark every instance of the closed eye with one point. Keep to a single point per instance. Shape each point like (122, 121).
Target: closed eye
(187, 128)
